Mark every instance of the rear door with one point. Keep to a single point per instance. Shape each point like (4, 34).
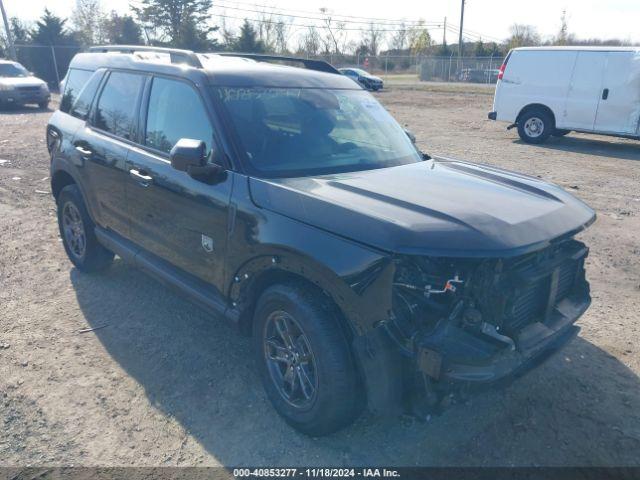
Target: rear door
(174, 216)
(584, 91)
(618, 108)
(101, 147)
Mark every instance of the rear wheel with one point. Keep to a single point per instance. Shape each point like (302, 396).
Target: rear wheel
(77, 232)
(304, 359)
(535, 125)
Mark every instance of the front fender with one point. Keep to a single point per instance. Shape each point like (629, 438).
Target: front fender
(357, 277)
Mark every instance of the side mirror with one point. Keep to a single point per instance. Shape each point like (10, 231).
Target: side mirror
(411, 136)
(189, 155)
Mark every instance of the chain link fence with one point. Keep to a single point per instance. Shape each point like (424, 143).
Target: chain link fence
(449, 68)
(51, 62)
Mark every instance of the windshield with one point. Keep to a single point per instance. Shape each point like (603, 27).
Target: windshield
(12, 70)
(292, 132)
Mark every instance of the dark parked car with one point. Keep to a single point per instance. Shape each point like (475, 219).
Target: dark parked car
(289, 201)
(19, 86)
(478, 75)
(368, 81)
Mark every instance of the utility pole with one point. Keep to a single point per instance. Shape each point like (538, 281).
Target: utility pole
(444, 32)
(460, 36)
(12, 48)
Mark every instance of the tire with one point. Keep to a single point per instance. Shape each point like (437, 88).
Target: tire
(559, 132)
(77, 232)
(535, 126)
(331, 398)
(44, 105)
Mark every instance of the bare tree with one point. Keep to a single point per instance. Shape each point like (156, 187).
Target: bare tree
(88, 21)
(336, 37)
(399, 38)
(373, 38)
(227, 34)
(310, 42)
(418, 38)
(266, 29)
(282, 33)
(522, 36)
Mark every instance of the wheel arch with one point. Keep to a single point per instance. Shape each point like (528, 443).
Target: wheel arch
(536, 106)
(263, 271)
(59, 180)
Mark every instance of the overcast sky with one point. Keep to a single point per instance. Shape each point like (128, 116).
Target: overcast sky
(587, 18)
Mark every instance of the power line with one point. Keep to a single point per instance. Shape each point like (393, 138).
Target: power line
(333, 15)
(257, 20)
(325, 19)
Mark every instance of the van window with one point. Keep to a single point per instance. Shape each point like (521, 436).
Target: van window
(175, 111)
(76, 79)
(116, 109)
(80, 108)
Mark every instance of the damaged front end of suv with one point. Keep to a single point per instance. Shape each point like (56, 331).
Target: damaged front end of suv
(464, 322)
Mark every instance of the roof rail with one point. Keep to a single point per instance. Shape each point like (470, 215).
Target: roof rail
(177, 56)
(319, 65)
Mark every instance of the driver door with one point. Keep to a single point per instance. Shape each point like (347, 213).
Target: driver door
(172, 215)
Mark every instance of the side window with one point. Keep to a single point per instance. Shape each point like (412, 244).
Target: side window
(175, 111)
(116, 109)
(80, 108)
(76, 79)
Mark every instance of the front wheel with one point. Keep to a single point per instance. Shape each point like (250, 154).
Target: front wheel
(305, 361)
(535, 126)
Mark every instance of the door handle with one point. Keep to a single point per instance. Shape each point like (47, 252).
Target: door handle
(605, 93)
(85, 152)
(143, 180)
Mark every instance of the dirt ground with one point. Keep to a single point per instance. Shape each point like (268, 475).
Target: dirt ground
(161, 383)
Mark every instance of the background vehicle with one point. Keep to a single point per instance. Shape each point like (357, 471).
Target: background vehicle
(478, 75)
(553, 90)
(368, 81)
(367, 272)
(18, 86)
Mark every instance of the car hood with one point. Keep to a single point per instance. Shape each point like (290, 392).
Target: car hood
(440, 207)
(21, 81)
(372, 77)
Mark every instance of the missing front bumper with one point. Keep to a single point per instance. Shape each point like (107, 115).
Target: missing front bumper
(455, 356)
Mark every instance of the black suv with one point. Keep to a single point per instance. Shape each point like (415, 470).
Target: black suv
(289, 201)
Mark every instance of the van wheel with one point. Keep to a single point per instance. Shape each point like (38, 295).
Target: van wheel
(305, 361)
(77, 232)
(559, 132)
(535, 126)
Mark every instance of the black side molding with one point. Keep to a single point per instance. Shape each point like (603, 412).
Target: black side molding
(201, 292)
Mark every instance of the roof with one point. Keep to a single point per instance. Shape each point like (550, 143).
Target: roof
(602, 48)
(213, 68)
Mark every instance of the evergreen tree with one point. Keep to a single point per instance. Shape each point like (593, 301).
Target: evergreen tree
(181, 23)
(122, 29)
(247, 41)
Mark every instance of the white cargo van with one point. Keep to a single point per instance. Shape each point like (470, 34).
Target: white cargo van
(554, 90)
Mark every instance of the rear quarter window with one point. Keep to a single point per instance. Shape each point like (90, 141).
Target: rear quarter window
(82, 105)
(116, 109)
(76, 79)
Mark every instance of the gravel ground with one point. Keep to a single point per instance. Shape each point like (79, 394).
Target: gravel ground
(162, 383)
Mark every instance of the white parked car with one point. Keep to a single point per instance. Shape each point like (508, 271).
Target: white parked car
(554, 90)
(18, 86)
